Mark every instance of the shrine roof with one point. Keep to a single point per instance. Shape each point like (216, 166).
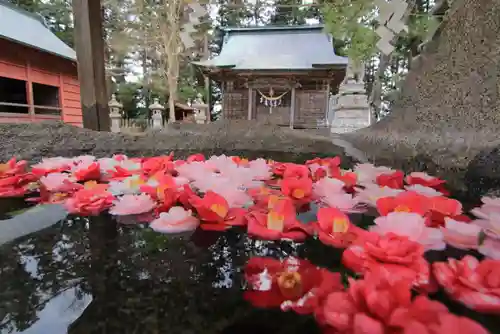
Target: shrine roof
(276, 48)
(30, 29)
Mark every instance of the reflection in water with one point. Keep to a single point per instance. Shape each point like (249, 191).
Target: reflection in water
(94, 276)
(85, 276)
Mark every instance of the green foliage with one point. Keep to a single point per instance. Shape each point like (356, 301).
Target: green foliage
(351, 22)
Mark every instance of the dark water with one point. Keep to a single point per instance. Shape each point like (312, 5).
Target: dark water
(95, 276)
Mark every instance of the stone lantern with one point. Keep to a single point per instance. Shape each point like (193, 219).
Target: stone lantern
(157, 113)
(200, 110)
(115, 113)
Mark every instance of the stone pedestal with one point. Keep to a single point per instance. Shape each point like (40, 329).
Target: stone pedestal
(351, 110)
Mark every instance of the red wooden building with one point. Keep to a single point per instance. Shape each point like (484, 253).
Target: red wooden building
(38, 72)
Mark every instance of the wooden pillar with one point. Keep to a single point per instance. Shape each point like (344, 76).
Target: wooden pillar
(89, 45)
(292, 107)
(29, 91)
(250, 103)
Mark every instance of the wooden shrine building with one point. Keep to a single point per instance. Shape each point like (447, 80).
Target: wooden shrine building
(38, 71)
(282, 75)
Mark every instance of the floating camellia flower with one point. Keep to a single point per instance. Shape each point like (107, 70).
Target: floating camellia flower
(215, 213)
(298, 189)
(461, 235)
(335, 229)
(280, 222)
(293, 283)
(393, 253)
(410, 225)
(473, 283)
(371, 193)
(305, 203)
(89, 202)
(132, 205)
(176, 220)
(52, 165)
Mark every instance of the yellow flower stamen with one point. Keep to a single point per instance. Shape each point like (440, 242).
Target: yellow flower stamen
(402, 208)
(340, 225)
(290, 284)
(298, 193)
(220, 210)
(275, 221)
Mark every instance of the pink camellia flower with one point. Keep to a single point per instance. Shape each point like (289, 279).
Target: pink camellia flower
(490, 248)
(461, 235)
(371, 193)
(367, 173)
(217, 163)
(260, 169)
(327, 186)
(491, 228)
(490, 207)
(89, 201)
(423, 190)
(475, 284)
(396, 254)
(343, 202)
(51, 165)
(132, 205)
(411, 225)
(58, 182)
(176, 220)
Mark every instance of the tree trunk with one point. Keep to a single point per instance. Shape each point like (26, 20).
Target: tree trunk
(376, 91)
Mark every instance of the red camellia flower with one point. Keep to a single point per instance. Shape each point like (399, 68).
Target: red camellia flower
(292, 284)
(89, 201)
(88, 173)
(280, 222)
(299, 190)
(441, 207)
(335, 229)
(366, 306)
(12, 168)
(395, 254)
(425, 316)
(376, 305)
(394, 180)
(295, 171)
(349, 178)
(473, 283)
(14, 181)
(407, 201)
(427, 181)
(215, 213)
(261, 196)
(153, 165)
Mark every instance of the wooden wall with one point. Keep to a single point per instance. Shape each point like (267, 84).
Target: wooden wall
(310, 104)
(23, 63)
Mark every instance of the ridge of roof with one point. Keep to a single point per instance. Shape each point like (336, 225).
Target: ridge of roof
(31, 30)
(274, 28)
